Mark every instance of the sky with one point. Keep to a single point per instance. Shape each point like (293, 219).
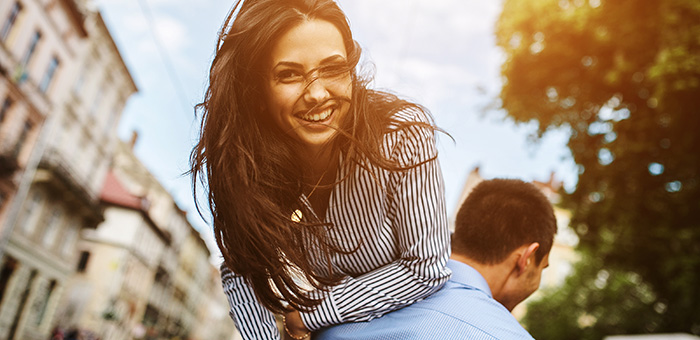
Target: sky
(439, 53)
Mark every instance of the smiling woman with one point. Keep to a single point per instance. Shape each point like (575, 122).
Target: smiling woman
(309, 105)
(327, 198)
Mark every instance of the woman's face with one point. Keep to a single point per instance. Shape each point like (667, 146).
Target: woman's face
(307, 68)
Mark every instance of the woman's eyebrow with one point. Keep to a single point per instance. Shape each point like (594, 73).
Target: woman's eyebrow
(288, 64)
(331, 59)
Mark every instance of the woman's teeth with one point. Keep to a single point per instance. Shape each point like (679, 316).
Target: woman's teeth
(318, 116)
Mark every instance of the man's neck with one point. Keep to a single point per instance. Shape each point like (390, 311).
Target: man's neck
(495, 275)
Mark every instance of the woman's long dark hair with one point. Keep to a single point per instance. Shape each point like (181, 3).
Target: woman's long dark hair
(249, 166)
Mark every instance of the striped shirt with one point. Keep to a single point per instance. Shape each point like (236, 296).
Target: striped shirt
(397, 222)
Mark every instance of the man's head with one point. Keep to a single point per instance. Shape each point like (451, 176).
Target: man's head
(507, 227)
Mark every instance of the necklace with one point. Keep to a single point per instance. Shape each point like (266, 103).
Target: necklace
(296, 215)
(316, 185)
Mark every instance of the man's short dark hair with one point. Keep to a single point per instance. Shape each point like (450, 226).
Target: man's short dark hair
(499, 216)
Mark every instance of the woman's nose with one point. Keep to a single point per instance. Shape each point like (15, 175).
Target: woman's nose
(315, 91)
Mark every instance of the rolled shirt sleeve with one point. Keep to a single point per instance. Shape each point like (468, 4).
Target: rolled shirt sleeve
(252, 319)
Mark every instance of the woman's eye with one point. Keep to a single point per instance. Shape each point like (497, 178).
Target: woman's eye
(289, 76)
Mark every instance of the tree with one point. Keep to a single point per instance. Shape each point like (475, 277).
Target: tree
(624, 77)
(594, 303)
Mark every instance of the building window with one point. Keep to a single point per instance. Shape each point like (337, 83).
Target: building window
(96, 163)
(83, 261)
(32, 47)
(22, 301)
(97, 100)
(114, 113)
(42, 303)
(162, 276)
(88, 159)
(69, 239)
(5, 108)
(8, 268)
(10, 22)
(22, 137)
(53, 224)
(65, 134)
(48, 76)
(30, 214)
(179, 294)
(85, 70)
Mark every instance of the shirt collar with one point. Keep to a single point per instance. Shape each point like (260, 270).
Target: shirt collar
(464, 274)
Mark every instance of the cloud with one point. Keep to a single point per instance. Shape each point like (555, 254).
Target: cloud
(442, 17)
(131, 22)
(428, 81)
(172, 33)
(435, 52)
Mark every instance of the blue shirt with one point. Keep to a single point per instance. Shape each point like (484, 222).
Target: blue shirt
(463, 309)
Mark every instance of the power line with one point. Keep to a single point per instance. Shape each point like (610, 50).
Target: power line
(170, 70)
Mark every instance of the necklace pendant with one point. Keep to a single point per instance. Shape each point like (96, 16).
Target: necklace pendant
(296, 216)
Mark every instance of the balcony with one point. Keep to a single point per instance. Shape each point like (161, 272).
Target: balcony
(56, 174)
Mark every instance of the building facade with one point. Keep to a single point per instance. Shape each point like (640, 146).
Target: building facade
(191, 281)
(118, 266)
(63, 88)
(185, 298)
(89, 239)
(165, 308)
(214, 309)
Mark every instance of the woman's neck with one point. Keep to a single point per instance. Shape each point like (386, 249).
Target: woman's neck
(317, 163)
(319, 176)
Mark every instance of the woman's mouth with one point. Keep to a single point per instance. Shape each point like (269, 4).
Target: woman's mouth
(317, 117)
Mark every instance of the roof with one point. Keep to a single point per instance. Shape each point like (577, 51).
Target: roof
(76, 17)
(550, 188)
(552, 184)
(113, 192)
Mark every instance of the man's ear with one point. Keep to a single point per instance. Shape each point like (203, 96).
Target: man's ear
(526, 257)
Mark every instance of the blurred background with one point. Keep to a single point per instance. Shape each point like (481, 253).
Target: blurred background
(597, 102)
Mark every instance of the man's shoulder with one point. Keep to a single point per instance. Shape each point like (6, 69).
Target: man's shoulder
(412, 322)
(475, 309)
(455, 312)
(467, 299)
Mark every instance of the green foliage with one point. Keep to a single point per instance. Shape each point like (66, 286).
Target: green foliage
(594, 303)
(624, 76)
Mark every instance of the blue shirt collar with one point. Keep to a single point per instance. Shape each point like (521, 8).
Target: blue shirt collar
(464, 274)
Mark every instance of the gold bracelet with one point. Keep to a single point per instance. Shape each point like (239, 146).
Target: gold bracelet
(284, 322)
